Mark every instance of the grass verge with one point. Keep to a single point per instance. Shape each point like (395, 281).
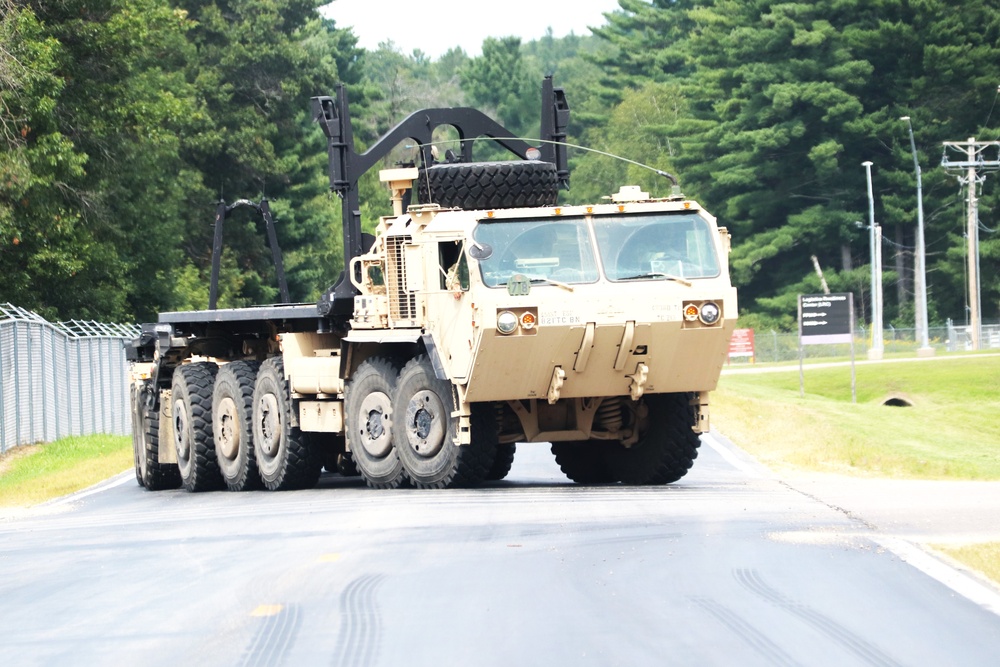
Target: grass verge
(950, 432)
(31, 475)
(984, 557)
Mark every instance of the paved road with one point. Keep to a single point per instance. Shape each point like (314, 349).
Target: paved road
(730, 566)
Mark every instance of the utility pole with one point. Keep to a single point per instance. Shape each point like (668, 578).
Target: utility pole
(819, 272)
(968, 173)
(877, 349)
(920, 268)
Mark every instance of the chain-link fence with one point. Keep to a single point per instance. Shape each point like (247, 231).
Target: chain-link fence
(61, 379)
(774, 346)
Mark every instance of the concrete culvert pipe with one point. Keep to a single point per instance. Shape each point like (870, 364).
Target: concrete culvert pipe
(897, 401)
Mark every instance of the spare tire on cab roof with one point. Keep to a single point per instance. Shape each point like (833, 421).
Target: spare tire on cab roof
(489, 185)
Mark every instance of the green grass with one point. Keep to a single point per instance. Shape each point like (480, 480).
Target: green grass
(984, 557)
(950, 432)
(30, 475)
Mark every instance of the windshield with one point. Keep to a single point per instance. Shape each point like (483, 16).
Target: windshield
(541, 250)
(655, 246)
(658, 246)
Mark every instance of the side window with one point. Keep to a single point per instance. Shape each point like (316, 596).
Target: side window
(453, 267)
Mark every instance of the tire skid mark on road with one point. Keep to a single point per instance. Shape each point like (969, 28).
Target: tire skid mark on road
(869, 653)
(274, 638)
(360, 623)
(758, 641)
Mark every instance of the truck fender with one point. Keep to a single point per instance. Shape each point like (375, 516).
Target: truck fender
(435, 358)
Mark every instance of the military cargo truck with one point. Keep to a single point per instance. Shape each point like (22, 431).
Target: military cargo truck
(480, 316)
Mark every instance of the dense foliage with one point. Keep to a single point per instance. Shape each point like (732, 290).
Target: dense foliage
(780, 103)
(125, 121)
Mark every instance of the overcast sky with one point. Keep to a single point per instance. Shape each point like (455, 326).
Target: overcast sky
(434, 26)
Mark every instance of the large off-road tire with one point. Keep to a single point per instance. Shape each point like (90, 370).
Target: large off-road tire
(667, 444)
(584, 462)
(138, 426)
(149, 472)
(346, 465)
(368, 422)
(285, 457)
(488, 185)
(333, 450)
(191, 410)
(502, 462)
(232, 425)
(424, 432)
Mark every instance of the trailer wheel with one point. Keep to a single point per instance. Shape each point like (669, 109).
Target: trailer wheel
(192, 414)
(149, 472)
(486, 185)
(584, 462)
(667, 445)
(502, 462)
(232, 425)
(368, 422)
(285, 457)
(424, 432)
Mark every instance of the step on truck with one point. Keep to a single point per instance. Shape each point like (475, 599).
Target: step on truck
(481, 315)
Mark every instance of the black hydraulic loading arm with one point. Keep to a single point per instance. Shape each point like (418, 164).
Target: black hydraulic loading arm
(347, 165)
(264, 209)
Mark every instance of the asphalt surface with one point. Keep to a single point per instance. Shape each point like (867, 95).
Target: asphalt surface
(939, 512)
(732, 565)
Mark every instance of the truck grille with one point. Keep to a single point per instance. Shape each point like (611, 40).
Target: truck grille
(402, 303)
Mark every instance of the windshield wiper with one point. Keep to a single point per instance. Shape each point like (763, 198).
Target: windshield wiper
(549, 281)
(665, 276)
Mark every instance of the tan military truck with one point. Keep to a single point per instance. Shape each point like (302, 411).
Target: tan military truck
(481, 316)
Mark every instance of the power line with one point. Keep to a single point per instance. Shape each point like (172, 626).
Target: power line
(990, 114)
(971, 171)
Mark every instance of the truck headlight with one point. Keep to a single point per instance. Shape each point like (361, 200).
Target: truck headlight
(709, 313)
(506, 322)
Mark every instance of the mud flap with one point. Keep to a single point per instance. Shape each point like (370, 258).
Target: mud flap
(166, 452)
(699, 411)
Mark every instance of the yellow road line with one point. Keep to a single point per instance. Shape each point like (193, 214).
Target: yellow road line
(268, 610)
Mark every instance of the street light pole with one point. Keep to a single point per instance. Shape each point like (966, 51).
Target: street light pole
(920, 268)
(877, 348)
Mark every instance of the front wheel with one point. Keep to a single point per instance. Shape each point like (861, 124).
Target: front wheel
(502, 462)
(667, 445)
(369, 422)
(425, 432)
(584, 462)
(285, 458)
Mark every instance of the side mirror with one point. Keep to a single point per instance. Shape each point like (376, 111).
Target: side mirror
(480, 251)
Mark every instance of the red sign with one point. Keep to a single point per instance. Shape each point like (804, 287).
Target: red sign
(741, 344)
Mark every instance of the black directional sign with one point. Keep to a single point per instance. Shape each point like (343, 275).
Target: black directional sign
(826, 318)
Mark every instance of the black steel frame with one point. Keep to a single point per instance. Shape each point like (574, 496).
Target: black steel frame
(346, 165)
(221, 213)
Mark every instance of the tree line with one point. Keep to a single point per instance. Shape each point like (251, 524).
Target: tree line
(124, 122)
